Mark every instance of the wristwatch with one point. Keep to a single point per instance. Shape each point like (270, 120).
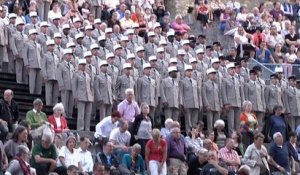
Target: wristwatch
(278, 166)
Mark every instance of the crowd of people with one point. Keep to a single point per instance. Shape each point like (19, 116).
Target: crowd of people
(128, 65)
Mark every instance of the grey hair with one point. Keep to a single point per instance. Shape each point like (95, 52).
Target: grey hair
(128, 91)
(175, 129)
(168, 121)
(202, 151)
(47, 136)
(22, 149)
(276, 134)
(246, 103)
(59, 106)
(38, 101)
(136, 146)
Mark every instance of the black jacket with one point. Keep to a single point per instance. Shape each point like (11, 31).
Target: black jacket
(9, 113)
(101, 158)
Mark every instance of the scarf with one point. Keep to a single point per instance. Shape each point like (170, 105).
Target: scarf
(25, 168)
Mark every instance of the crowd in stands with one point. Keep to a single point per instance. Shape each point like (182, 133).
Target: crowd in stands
(166, 101)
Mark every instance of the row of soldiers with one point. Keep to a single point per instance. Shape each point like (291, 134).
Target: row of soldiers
(95, 68)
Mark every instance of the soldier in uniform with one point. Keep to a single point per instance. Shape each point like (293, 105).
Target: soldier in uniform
(32, 55)
(3, 41)
(150, 47)
(170, 94)
(112, 70)
(80, 49)
(232, 97)
(215, 63)
(49, 69)
(186, 48)
(17, 42)
(66, 38)
(97, 31)
(82, 87)
(58, 50)
(95, 56)
(273, 94)
(189, 98)
(33, 24)
(124, 81)
(131, 44)
(43, 37)
(89, 67)
(211, 95)
(244, 69)
(76, 30)
(11, 30)
(180, 63)
(201, 66)
(88, 39)
(124, 45)
(281, 81)
(119, 60)
(102, 47)
(162, 64)
(109, 42)
(134, 72)
(171, 46)
(146, 89)
(65, 72)
(54, 27)
(140, 58)
(103, 90)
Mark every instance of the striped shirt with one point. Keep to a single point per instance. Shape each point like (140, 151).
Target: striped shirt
(231, 155)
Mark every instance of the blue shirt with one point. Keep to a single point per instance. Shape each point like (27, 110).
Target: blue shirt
(280, 155)
(266, 58)
(176, 148)
(278, 125)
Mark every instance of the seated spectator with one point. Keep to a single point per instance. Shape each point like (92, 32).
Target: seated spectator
(200, 128)
(258, 37)
(129, 108)
(225, 16)
(156, 154)
(126, 22)
(263, 54)
(44, 157)
(249, 123)
(220, 134)
(244, 170)
(105, 126)
(179, 26)
(19, 137)
(277, 53)
(279, 155)
(35, 116)
(210, 141)
(29, 141)
(85, 156)
(193, 140)
(107, 158)
(134, 162)
(58, 142)
(176, 152)
(57, 120)
(72, 170)
(230, 156)
(239, 147)
(99, 169)
(166, 130)
(142, 127)
(291, 37)
(293, 151)
(19, 164)
(196, 164)
(256, 156)
(274, 38)
(214, 165)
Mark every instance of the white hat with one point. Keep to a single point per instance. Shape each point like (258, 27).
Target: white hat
(152, 58)
(151, 34)
(56, 16)
(87, 54)
(32, 31)
(101, 38)
(210, 70)
(103, 62)
(67, 51)
(57, 35)
(185, 42)
(192, 60)
(127, 65)
(188, 67)
(76, 20)
(50, 42)
(19, 22)
(172, 69)
(89, 27)
(117, 46)
(200, 50)
(81, 61)
(162, 42)
(97, 21)
(124, 38)
(139, 48)
(79, 35)
(170, 33)
(180, 52)
(160, 49)
(173, 60)
(146, 65)
(12, 15)
(66, 26)
(156, 25)
(278, 69)
(71, 44)
(214, 60)
(230, 65)
(135, 25)
(130, 56)
(108, 30)
(44, 24)
(110, 55)
(94, 46)
(33, 14)
(129, 31)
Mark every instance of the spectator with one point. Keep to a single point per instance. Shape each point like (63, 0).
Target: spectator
(239, 147)
(72, 170)
(85, 156)
(263, 54)
(193, 140)
(156, 154)
(292, 145)
(209, 143)
(196, 164)
(179, 26)
(256, 156)
(276, 11)
(166, 130)
(134, 161)
(126, 22)
(27, 125)
(244, 170)
(220, 134)
(57, 120)
(291, 38)
(214, 165)
(35, 116)
(107, 158)
(202, 12)
(99, 169)
(129, 108)
(230, 156)
(58, 142)
(19, 137)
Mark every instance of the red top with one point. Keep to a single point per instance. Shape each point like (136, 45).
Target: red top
(156, 153)
(202, 8)
(63, 122)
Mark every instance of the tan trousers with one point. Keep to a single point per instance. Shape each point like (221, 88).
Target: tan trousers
(84, 115)
(177, 167)
(68, 102)
(35, 81)
(51, 88)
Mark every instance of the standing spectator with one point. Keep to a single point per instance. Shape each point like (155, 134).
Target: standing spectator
(256, 156)
(36, 117)
(202, 13)
(85, 156)
(176, 153)
(129, 108)
(230, 156)
(57, 120)
(134, 161)
(9, 113)
(156, 154)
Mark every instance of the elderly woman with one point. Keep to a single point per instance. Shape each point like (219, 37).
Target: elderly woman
(156, 154)
(35, 116)
(57, 120)
(166, 130)
(256, 156)
(249, 123)
(20, 166)
(134, 162)
(19, 137)
(220, 133)
(179, 26)
(239, 147)
(142, 127)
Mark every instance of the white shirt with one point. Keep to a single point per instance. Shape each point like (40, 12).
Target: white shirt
(86, 160)
(121, 139)
(104, 127)
(58, 122)
(70, 158)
